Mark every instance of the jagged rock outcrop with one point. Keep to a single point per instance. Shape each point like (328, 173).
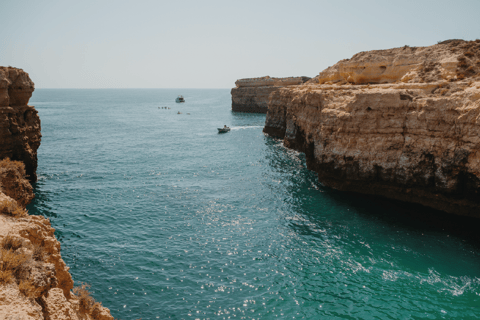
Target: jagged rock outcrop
(19, 123)
(35, 282)
(251, 94)
(402, 123)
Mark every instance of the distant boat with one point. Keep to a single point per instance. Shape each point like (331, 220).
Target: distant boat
(223, 130)
(179, 112)
(179, 99)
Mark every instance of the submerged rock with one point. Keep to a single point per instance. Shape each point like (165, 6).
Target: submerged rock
(401, 123)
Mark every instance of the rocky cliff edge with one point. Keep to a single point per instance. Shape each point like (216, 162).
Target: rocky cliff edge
(19, 123)
(402, 123)
(252, 94)
(34, 281)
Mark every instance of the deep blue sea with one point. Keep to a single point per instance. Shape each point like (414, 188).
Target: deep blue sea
(167, 219)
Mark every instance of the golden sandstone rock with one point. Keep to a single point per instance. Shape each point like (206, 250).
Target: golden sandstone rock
(39, 287)
(401, 123)
(34, 280)
(19, 123)
(251, 94)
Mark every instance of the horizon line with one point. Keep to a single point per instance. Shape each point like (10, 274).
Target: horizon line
(130, 88)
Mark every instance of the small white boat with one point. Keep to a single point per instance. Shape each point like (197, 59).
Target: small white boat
(179, 99)
(224, 129)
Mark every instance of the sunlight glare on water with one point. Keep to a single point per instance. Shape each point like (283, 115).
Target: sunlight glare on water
(167, 219)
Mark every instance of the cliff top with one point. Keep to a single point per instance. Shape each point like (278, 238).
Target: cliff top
(449, 60)
(270, 81)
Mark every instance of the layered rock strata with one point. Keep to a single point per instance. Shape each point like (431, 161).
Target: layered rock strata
(402, 123)
(34, 280)
(252, 94)
(19, 123)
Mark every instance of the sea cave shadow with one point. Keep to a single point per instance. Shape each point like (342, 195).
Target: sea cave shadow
(411, 216)
(408, 216)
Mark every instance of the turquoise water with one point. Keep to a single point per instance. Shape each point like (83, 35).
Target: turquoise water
(167, 219)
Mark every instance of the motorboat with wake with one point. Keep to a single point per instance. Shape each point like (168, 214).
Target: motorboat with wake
(180, 99)
(224, 129)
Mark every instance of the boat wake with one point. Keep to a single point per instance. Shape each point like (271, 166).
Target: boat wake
(245, 127)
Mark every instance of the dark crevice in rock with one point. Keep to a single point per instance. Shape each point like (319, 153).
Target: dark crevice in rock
(41, 303)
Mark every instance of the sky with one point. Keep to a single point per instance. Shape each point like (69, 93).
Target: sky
(211, 44)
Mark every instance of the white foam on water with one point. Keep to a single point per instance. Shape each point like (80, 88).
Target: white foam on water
(245, 127)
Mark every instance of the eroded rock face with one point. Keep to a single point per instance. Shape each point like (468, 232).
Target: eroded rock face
(252, 94)
(449, 60)
(19, 123)
(14, 305)
(412, 133)
(13, 182)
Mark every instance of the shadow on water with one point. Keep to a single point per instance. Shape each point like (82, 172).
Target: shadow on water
(306, 192)
(413, 216)
(40, 205)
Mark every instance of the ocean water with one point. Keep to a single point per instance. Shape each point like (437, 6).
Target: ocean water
(167, 219)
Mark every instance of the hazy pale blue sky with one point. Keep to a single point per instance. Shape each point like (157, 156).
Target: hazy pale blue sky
(210, 44)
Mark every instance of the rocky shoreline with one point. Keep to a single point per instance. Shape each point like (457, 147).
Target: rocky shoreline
(401, 123)
(35, 282)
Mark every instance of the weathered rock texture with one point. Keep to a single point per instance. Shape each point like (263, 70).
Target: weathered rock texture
(251, 95)
(19, 123)
(34, 280)
(402, 123)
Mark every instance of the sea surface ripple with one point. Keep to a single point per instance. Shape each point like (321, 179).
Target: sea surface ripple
(167, 219)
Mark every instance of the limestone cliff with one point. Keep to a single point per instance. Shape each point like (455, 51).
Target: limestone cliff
(251, 94)
(402, 123)
(19, 123)
(34, 280)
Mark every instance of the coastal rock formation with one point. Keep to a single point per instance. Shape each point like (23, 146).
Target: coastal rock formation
(251, 94)
(19, 123)
(402, 123)
(35, 282)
